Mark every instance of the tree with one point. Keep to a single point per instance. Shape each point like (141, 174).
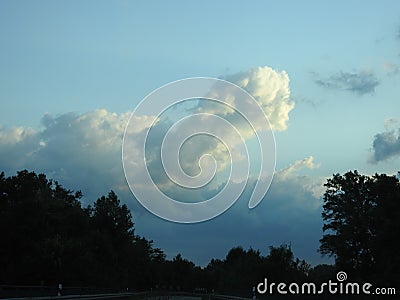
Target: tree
(48, 237)
(40, 223)
(111, 240)
(243, 268)
(281, 265)
(347, 214)
(322, 273)
(361, 220)
(182, 273)
(108, 215)
(386, 228)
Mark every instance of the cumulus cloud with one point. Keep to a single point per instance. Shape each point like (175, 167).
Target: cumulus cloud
(391, 123)
(361, 83)
(290, 213)
(83, 151)
(271, 90)
(15, 135)
(91, 142)
(74, 149)
(291, 174)
(386, 145)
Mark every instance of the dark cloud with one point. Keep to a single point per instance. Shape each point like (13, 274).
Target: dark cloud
(359, 82)
(290, 213)
(386, 145)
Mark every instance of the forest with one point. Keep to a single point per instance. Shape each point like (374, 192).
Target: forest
(48, 237)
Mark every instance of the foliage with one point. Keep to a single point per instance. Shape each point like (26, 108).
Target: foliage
(243, 269)
(361, 215)
(48, 237)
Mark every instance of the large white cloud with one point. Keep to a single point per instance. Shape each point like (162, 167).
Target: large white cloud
(271, 90)
(84, 150)
(81, 151)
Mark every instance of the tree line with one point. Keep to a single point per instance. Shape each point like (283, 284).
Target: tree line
(48, 237)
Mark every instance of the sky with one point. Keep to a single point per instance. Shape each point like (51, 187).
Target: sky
(326, 73)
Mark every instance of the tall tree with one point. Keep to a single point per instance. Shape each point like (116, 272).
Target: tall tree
(361, 219)
(281, 264)
(39, 220)
(386, 228)
(111, 240)
(347, 213)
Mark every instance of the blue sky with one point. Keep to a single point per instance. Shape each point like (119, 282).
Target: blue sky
(90, 62)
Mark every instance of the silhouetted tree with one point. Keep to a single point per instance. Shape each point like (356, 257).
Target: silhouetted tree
(41, 223)
(361, 220)
(281, 265)
(181, 272)
(48, 237)
(322, 273)
(243, 269)
(386, 228)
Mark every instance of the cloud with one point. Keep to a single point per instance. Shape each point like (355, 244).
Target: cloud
(291, 174)
(80, 151)
(290, 213)
(390, 123)
(15, 135)
(360, 83)
(83, 151)
(303, 192)
(91, 142)
(307, 162)
(386, 145)
(271, 90)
